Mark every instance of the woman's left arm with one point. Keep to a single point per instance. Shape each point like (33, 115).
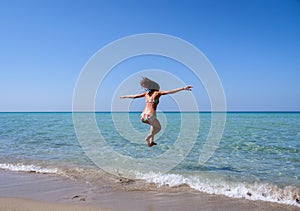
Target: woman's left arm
(176, 90)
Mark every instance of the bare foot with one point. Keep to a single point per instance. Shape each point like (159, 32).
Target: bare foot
(151, 144)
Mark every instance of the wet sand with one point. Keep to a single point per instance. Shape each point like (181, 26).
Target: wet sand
(31, 191)
(16, 204)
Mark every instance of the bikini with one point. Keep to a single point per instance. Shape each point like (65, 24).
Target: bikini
(147, 118)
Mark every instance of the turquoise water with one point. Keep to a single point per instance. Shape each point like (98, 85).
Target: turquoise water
(257, 157)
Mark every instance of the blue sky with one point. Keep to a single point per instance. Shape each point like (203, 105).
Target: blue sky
(253, 45)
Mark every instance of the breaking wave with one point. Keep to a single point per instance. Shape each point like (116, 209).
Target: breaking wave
(28, 168)
(256, 191)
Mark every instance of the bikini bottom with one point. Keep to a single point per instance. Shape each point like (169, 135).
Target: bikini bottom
(147, 118)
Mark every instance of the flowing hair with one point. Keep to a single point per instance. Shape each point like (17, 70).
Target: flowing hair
(146, 83)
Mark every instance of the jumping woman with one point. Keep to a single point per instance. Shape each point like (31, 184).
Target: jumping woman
(152, 96)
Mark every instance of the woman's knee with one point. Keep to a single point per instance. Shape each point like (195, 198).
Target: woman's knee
(157, 128)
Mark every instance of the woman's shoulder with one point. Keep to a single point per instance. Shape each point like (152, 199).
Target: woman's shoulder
(159, 93)
(153, 94)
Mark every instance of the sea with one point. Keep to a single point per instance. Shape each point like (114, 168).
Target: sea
(257, 156)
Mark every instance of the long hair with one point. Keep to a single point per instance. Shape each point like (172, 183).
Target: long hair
(146, 83)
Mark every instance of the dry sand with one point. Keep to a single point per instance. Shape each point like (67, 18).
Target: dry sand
(30, 192)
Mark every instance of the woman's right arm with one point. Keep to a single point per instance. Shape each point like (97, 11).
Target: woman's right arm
(133, 96)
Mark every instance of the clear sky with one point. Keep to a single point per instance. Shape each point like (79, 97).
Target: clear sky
(254, 46)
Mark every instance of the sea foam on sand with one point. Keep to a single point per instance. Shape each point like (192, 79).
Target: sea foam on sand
(257, 191)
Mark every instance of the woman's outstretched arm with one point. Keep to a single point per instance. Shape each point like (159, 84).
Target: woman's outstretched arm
(175, 90)
(133, 96)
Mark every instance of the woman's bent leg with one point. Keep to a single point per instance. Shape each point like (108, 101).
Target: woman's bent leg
(155, 128)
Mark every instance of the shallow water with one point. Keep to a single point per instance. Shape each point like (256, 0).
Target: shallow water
(257, 157)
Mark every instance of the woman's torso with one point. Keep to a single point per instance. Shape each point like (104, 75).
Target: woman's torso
(152, 100)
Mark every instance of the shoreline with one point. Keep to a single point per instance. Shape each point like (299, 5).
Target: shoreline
(32, 191)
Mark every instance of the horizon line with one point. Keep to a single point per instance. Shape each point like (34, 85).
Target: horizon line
(170, 111)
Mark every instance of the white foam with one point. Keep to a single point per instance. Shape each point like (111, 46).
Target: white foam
(28, 168)
(256, 191)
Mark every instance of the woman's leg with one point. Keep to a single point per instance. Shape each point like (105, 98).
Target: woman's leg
(147, 139)
(154, 129)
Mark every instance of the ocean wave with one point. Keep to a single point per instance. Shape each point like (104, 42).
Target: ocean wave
(256, 191)
(28, 168)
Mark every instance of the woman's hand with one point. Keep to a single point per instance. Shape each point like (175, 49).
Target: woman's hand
(187, 88)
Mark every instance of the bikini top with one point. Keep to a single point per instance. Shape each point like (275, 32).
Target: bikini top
(155, 101)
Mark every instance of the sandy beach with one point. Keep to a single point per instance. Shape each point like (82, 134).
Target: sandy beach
(31, 191)
(26, 204)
